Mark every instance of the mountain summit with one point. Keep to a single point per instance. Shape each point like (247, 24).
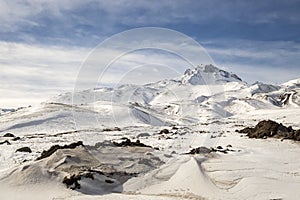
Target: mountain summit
(208, 74)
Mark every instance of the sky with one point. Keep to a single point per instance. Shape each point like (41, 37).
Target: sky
(44, 43)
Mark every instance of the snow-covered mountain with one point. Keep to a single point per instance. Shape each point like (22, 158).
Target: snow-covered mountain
(203, 107)
(200, 95)
(208, 74)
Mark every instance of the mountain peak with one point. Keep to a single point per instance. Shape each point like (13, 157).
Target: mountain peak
(207, 68)
(208, 74)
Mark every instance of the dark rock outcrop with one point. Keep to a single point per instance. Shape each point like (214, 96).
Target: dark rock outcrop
(200, 150)
(8, 135)
(16, 139)
(54, 148)
(205, 150)
(269, 128)
(164, 131)
(112, 129)
(128, 143)
(6, 141)
(24, 149)
(72, 181)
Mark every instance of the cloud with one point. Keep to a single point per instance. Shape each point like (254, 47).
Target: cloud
(262, 73)
(272, 61)
(41, 70)
(144, 66)
(31, 74)
(84, 22)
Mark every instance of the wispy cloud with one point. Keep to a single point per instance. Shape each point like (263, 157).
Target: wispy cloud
(30, 74)
(74, 21)
(273, 62)
(34, 69)
(42, 43)
(262, 73)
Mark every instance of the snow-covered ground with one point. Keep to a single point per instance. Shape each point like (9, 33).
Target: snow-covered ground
(204, 107)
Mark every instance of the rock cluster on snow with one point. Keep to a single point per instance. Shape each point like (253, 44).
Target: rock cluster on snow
(127, 142)
(269, 128)
(205, 150)
(24, 149)
(54, 148)
(8, 135)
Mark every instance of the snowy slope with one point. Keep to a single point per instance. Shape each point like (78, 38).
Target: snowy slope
(203, 94)
(208, 74)
(203, 107)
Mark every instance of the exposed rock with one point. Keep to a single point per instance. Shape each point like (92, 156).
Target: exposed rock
(143, 135)
(54, 148)
(127, 142)
(294, 136)
(9, 135)
(16, 138)
(89, 171)
(164, 131)
(72, 181)
(265, 129)
(200, 150)
(112, 129)
(220, 149)
(6, 141)
(109, 181)
(205, 150)
(24, 149)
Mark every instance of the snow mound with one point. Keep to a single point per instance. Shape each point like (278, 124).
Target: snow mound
(189, 178)
(292, 84)
(86, 169)
(260, 87)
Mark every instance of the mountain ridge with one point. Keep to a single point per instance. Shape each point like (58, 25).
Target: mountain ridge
(174, 101)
